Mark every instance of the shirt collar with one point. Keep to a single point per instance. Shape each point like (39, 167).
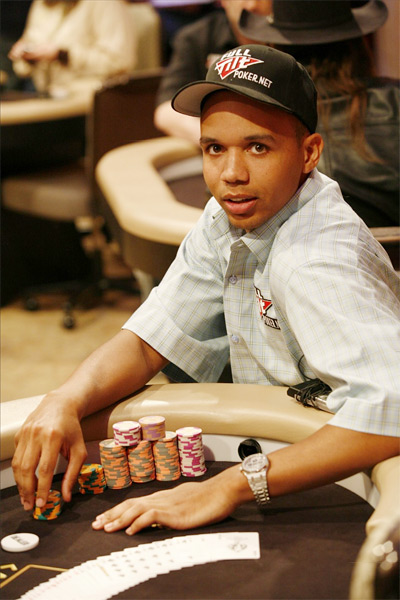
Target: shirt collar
(260, 240)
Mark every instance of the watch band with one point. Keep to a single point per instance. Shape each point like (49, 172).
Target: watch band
(255, 468)
(259, 486)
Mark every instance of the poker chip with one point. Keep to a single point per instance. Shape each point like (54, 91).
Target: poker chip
(191, 451)
(166, 457)
(51, 510)
(19, 542)
(114, 460)
(91, 479)
(153, 428)
(127, 433)
(141, 462)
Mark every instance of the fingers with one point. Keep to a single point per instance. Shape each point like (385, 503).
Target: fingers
(118, 517)
(38, 445)
(76, 458)
(133, 514)
(32, 453)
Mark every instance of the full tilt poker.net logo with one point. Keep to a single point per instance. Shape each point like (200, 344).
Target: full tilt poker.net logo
(236, 63)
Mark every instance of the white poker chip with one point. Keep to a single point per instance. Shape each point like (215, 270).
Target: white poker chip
(19, 542)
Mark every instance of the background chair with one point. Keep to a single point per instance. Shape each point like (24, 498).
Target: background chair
(122, 112)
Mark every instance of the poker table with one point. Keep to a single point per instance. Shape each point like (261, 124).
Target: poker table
(310, 542)
(152, 192)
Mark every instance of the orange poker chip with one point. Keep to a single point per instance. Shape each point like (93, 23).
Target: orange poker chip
(141, 462)
(92, 479)
(114, 461)
(51, 510)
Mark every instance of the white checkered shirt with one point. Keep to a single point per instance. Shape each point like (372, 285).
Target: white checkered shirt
(310, 285)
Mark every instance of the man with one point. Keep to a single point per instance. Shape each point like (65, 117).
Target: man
(280, 274)
(195, 48)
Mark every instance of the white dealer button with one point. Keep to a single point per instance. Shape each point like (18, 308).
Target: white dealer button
(19, 542)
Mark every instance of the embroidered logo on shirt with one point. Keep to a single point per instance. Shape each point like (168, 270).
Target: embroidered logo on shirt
(234, 60)
(264, 306)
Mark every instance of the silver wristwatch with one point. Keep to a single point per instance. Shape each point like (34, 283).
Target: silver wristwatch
(255, 468)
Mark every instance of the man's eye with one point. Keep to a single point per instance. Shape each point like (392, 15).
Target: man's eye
(258, 148)
(214, 149)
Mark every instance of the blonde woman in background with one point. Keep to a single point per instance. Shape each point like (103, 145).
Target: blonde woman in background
(74, 42)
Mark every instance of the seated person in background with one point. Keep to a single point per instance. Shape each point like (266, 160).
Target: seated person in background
(279, 274)
(71, 42)
(359, 113)
(174, 15)
(195, 47)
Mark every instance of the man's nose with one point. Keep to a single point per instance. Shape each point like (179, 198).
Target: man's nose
(235, 169)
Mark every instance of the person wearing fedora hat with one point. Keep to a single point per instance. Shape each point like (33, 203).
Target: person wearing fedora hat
(279, 275)
(194, 48)
(359, 113)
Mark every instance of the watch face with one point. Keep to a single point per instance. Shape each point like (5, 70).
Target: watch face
(255, 462)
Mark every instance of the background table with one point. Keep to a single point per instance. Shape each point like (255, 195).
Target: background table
(42, 131)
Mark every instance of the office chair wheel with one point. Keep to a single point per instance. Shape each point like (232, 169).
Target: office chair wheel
(31, 304)
(69, 322)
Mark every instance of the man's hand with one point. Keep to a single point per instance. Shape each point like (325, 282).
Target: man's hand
(51, 429)
(119, 367)
(188, 505)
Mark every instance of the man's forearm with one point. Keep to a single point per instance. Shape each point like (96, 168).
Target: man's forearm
(331, 454)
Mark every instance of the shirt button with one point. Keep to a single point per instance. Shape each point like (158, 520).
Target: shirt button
(235, 339)
(233, 279)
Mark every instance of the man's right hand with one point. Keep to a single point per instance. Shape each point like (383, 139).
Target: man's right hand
(51, 429)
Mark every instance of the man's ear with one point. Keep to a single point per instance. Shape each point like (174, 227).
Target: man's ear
(313, 145)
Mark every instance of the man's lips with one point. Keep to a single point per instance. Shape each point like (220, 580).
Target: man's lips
(239, 206)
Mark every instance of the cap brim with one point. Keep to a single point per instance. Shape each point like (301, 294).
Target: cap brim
(366, 19)
(189, 99)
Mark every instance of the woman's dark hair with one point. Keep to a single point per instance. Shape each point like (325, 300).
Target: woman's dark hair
(340, 69)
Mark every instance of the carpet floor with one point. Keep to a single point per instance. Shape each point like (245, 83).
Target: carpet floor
(38, 353)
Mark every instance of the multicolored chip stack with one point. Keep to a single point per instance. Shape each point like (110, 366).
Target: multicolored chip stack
(52, 508)
(141, 462)
(166, 457)
(191, 451)
(153, 428)
(114, 460)
(162, 455)
(91, 479)
(127, 433)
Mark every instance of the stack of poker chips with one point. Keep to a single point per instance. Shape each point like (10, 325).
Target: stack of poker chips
(153, 428)
(114, 460)
(142, 451)
(166, 457)
(127, 433)
(52, 508)
(191, 451)
(141, 462)
(91, 479)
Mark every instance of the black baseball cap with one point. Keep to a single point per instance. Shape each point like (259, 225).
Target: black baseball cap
(258, 72)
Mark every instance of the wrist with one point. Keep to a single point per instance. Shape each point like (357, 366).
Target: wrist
(66, 402)
(238, 485)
